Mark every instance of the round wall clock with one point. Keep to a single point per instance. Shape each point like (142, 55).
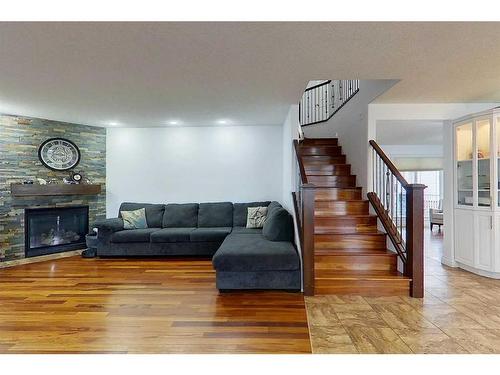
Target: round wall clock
(59, 154)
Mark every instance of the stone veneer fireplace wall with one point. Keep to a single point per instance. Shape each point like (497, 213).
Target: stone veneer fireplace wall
(19, 141)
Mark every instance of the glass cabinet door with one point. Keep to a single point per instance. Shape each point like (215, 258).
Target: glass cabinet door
(464, 157)
(483, 131)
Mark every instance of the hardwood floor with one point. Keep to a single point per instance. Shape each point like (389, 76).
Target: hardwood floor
(76, 305)
(460, 313)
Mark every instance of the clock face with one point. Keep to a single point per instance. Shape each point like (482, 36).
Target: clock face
(59, 154)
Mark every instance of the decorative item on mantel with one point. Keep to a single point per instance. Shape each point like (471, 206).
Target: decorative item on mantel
(41, 181)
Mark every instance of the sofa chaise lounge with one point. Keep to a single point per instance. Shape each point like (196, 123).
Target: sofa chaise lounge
(244, 258)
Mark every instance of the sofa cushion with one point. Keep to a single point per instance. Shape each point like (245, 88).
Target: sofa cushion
(216, 234)
(154, 212)
(273, 206)
(172, 235)
(252, 252)
(112, 225)
(278, 225)
(240, 212)
(133, 235)
(244, 230)
(215, 215)
(180, 215)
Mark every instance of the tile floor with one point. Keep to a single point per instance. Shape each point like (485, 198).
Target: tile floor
(460, 313)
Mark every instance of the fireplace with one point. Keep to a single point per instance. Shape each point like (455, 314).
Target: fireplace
(56, 229)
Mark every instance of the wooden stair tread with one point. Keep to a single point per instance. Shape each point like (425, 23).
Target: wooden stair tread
(337, 216)
(365, 275)
(357, 252)
(322, 230)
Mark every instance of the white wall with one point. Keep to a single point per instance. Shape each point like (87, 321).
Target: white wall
(193, 164)
(350, 124)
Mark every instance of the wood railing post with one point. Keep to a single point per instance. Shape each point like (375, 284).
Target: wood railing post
(308, 193)
(415, 238)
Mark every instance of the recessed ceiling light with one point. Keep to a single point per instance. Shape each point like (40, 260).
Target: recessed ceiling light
(173, 122)
(113, 123)
(222, 122)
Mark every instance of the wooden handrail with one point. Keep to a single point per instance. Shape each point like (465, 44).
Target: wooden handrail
(302, 171)
(389, 210)
(389, 163)
(318, 85)
(303, 203)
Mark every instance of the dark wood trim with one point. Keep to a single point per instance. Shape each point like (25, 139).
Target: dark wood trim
(318, 85)
(389, 163)
(303, 176)
(297, 214)
(308, 193)
(415, 238)
(27, 190)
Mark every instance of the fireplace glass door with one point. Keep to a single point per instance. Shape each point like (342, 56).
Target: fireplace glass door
(53, 230)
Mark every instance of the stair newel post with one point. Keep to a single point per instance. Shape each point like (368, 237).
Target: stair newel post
(415, 238)
(308, 193)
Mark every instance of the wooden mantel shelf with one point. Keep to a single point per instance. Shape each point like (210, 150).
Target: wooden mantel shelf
(22, 190)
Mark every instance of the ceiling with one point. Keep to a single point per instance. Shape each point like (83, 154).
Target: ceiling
(150, 74)
(409, 132)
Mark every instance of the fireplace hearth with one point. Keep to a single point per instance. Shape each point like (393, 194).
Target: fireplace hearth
(55, 229)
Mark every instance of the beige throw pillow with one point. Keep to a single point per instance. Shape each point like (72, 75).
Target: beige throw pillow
(134, 219)
(256, 217)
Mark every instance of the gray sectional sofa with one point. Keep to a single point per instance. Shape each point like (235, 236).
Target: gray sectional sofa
(243, 258)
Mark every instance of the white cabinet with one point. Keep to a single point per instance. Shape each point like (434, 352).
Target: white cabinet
(483, 226)
(477, 202)
(464, 241)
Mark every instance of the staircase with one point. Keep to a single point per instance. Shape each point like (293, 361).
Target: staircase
(350, 254)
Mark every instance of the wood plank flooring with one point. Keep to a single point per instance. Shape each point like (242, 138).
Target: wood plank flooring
(76, 305)
(460, 313)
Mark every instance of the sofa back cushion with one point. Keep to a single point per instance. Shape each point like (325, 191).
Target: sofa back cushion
(278, 225)
(240, 211)
(181, 215)
(218, 214)
(154, 212)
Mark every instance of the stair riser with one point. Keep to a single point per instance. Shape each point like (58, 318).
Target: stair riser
(329, 170)
(322, 160)
(334, 181)
(326, 242)
(346, 222)
(320, 141)
(321, 150)
(338, 194)
(363, 287)
(327, 265)
(342, 207)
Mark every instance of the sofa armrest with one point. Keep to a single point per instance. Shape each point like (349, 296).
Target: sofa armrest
(109, 225)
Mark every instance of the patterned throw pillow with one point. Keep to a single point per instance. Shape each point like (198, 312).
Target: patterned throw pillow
(256, 217)
(134, 219)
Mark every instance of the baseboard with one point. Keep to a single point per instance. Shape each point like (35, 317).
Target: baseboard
(448, 262)
(41, 258)
(491, 275)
